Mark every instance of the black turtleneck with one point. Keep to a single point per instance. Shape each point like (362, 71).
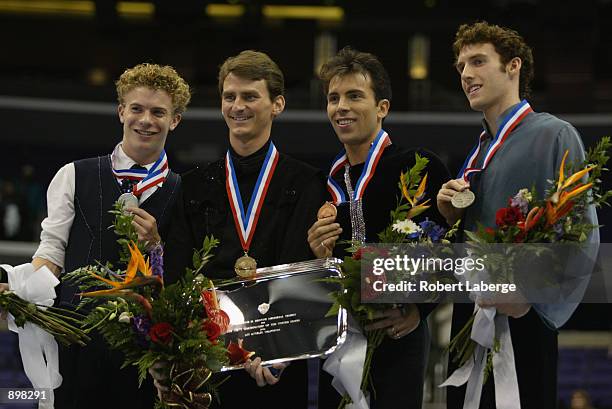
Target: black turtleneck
(295, 193)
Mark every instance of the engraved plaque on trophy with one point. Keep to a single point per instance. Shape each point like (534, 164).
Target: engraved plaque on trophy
(280, 313)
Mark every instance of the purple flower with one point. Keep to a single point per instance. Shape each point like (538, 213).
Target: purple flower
(432, 230)
(141, 325)
(156, 258)
(521, 201)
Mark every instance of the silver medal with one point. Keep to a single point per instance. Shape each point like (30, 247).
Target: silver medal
(128, 200)
(463, 199)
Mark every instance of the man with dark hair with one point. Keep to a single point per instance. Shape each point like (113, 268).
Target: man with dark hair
(358, 93)
(76, 231)
(284, 192)
(496, 66)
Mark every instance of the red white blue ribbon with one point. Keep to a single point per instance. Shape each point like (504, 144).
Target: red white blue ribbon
(380, 143)
(146, 178)
(506, 127)
(246, 222)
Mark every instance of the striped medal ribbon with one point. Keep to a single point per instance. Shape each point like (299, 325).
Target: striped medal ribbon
(246, 222)
(466, 197)
(380, 143)
(146, 179)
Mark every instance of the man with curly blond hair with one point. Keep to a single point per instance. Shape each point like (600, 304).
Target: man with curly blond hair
(152, 99)
(496, 67)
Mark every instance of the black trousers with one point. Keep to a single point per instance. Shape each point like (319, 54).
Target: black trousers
(535, 354)
(240, 390)
(92, 379)
(398, 372)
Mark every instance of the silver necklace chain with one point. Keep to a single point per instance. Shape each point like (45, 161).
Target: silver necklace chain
(358, 228)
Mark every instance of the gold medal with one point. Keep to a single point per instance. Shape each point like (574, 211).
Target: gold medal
(246, 222)
(463, 199)
(245, 266)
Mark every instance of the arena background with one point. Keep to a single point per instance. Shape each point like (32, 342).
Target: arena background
(57, 104)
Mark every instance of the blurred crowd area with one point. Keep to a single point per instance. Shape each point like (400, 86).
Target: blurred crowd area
(22, 205)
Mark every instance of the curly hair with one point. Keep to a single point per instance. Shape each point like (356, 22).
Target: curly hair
(508, 44)
(254, 66)
(156, 77)
(349, 61)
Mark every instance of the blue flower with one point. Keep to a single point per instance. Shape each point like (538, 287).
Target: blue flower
(432, 230)
(141, 325)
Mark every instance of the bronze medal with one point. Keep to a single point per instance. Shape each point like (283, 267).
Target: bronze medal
(463, 199)
(327, 210)
(245, 266)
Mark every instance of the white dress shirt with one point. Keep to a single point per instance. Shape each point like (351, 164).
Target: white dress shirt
(60, 207)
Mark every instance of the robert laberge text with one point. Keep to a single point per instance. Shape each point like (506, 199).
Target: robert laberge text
(425, 286)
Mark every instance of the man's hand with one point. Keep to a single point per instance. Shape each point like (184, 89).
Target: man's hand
(38, 262)
(445, 194)
(512, 304)
(145, 225)
(322, 236)
(261, 374)
(398, 322)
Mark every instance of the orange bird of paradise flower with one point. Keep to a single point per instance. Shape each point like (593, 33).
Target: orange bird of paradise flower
(560, 203)
(415, 207)
(131, 279)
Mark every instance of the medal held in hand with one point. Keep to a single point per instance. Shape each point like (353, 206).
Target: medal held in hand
(465, 198)
(128, 200)
(246, 222)
(327, 210)
(136, 180)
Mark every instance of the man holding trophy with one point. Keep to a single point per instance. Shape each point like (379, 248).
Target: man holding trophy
(258, 202)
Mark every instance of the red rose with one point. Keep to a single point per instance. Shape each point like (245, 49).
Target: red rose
(368, 251)
(161, 333)
(367, 286)
(357, 254)
(508, 216)
(212, 329)
(519, 238)
(490, 231)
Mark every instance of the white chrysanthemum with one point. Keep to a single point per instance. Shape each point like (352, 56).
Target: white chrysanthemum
(407, 227)
(526, 194)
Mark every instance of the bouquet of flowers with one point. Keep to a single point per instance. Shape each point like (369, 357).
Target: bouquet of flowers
(402, 230)
(558, 218)
(60, 323)
(179, 325)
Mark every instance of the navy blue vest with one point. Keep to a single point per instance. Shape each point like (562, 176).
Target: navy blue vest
(91, 239)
